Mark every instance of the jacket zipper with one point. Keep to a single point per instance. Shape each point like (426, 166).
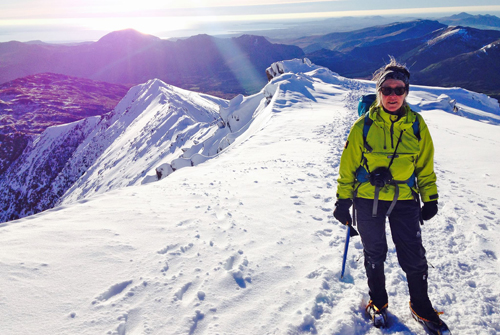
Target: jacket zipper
(392, 134)
(385, 138)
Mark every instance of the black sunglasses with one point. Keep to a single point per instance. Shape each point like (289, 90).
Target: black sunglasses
(388, 90)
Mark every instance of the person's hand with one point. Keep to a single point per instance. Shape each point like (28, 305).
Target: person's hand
(341, 211)
(429, 210)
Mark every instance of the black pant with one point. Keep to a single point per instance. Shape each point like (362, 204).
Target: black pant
(405, 230)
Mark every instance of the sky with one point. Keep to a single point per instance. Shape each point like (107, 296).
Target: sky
(81, 20)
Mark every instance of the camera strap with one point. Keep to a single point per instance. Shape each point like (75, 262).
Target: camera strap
(396, 149)
(391, 182)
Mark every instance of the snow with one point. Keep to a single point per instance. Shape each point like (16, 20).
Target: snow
(490, 46)
(152, 124)
(245, 242)
(457, 32)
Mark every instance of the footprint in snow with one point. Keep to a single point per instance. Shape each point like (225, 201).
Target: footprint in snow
(113, 291)
(316, 273)
(490, 254)
(179, 251)
(324, 232)
(167, 248)
(238, 273)
(180, 293)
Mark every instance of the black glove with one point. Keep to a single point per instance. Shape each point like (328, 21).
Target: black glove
(341, 211)
(429, 209)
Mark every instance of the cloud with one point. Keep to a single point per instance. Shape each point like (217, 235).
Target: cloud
(231, 10)
(10, 9)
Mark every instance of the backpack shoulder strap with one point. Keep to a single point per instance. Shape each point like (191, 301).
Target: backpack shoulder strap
(416, 127)
(366, 127)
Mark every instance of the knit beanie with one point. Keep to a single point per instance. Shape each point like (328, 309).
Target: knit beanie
(397, 73)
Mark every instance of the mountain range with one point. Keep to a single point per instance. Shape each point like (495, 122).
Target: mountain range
(221, 66)
(295, 30)
(371, 36)
(226, 67)
(431, 50)
(482, 65)
(489, 22)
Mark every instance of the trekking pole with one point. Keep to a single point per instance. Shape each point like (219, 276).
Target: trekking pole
(350, 232)
(345, 250)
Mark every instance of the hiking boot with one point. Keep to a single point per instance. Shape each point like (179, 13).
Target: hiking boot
(378, 316)
(433, 328)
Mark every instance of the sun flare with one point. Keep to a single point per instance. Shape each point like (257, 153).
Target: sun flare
(146, 25)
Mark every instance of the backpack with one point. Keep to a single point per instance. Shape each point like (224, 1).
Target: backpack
(365, 103)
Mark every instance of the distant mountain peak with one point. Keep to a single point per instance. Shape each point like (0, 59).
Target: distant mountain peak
(462, 15)
(130, 35)
(199, 37)
(477, 21)
(253, 38)
(465, 15)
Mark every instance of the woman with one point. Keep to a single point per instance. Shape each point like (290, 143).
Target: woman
(387, 163)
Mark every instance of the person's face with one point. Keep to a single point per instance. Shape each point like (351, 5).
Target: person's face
(393, 102)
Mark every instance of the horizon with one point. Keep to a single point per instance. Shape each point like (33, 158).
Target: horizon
(92, 20)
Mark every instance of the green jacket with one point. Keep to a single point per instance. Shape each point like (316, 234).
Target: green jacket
(413, 156)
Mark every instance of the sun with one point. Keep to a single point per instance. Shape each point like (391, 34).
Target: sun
(146, 25)
(146, 16)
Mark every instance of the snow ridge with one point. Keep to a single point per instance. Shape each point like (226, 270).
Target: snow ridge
(457, 32)
(152, 123)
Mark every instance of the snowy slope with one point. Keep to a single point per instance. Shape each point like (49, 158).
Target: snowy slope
(153, 122)
(154, 130)
(245, 242)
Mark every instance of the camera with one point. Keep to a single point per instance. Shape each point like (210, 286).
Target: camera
(380, 177)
